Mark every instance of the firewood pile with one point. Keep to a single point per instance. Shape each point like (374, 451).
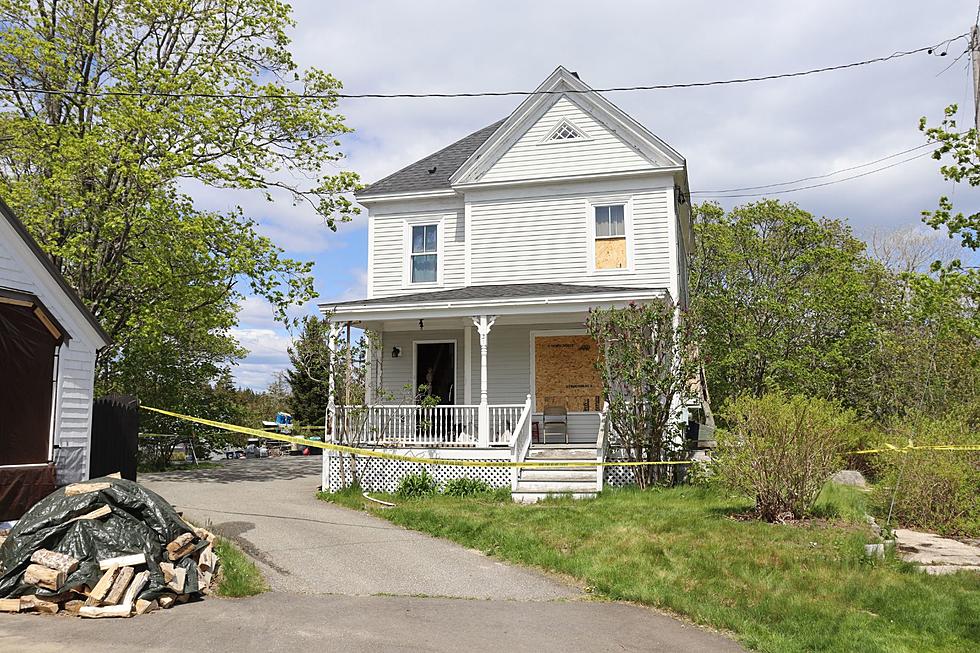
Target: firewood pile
(53, 561)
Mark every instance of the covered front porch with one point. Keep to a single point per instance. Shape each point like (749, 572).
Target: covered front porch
(479, 373)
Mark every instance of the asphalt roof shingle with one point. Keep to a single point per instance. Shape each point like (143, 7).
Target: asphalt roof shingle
(501, 291)
(432, 172)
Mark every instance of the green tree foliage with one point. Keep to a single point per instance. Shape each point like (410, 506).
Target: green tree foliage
(101, 180)
(963, 149)
(787, 300)
(647, 368)
(310, 373)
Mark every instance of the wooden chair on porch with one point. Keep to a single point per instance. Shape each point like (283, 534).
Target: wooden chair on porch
(555, 424)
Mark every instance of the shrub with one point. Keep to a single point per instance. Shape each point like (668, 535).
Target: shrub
(936, 490)
(417, 485)
(780, 450)
(466, 487)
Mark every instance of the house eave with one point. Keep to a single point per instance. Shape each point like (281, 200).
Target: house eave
(496, 306)
(395, 197)
(625, 174)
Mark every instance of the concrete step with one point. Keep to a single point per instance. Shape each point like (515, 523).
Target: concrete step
(559, 474)
(560, 454)
(534, 497)
(557, 487)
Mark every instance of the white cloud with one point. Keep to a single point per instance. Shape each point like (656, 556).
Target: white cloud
(268, 354)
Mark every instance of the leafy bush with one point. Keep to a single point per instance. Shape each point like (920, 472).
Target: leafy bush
(417, 485)
(466, 487)
(780, 450)
(937, 490)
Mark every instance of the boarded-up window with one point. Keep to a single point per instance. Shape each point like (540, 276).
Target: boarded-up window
(565, 374)
(610, 237)
(26, 368)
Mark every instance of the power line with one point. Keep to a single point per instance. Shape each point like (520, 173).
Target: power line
(827, 183)
(944, 44)
(814, 177)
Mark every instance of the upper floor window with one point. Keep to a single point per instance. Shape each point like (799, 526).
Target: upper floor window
(425, 253)
(610, 237)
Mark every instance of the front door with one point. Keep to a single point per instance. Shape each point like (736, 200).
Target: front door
(435, 370)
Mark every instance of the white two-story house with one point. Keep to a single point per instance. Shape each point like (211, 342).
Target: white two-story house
(484, 259)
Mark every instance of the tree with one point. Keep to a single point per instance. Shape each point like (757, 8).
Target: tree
(111, 109)
(911, 248)
(309, 377)
(647, 367)
(788, 301)
(963, 149)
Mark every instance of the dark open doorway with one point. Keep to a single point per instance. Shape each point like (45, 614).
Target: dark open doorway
(435, 367)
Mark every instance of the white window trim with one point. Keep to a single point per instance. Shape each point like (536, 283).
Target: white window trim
(407, 224)
(583, 135)
(590, 205)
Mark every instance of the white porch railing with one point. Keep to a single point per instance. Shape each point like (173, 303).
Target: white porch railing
(432, 426)
(503, 422)
(520, 443)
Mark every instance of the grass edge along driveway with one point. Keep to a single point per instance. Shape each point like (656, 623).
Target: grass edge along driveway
(776, 587)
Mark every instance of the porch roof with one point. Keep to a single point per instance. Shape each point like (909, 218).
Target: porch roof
(496, 299)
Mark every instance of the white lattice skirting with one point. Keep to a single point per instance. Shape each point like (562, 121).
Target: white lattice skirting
(380, 475)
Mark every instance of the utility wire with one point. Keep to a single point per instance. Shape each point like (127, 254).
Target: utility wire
(331, 96)
(827, 183)
(814, 177)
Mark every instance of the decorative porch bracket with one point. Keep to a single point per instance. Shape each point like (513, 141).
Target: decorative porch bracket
(483, 324)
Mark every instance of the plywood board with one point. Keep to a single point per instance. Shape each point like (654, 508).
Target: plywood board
(610, 253)
(565, 373)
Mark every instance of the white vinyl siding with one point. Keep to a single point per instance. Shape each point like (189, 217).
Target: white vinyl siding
(20, 271)
(535, 157)
(547, 239)
(391, 246)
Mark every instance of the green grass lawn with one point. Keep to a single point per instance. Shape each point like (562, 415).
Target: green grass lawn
(776, 587)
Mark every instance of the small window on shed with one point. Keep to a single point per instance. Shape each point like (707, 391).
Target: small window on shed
(565, 132)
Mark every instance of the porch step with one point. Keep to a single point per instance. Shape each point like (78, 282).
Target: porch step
(560, 454)
(560, 474)
(534, 497)
(556, 487)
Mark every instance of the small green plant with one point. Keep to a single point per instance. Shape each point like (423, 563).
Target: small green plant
(237, 575)
(417, 486)
(466, 487)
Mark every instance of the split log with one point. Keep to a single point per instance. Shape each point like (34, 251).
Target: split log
(83, 488)
(119, 585)
(10, 605)
(167, 601)
(72, 607)
(181, 546)
(204, 582)
(204, 534)
(98, 513)
(180, 577)
(50, 579)
(206, 560)
(168, 572)
(139, 582)
(55, 560)
(123, 561)
(144, 607)
(31, 602)
(108, 611)
(101, 589)
(114, 475)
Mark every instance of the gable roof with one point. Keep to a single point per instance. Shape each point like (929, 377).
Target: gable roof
(55, 274)
(563, 83)
(432, 172)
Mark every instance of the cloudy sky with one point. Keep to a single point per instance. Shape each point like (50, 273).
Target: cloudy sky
(732, 136)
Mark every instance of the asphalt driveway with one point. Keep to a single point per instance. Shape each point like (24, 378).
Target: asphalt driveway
(345, 580)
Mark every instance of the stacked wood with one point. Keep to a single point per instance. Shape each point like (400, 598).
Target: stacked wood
(83, 488)
(117, 591)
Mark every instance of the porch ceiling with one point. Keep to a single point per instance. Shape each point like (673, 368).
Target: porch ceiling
(515, 303)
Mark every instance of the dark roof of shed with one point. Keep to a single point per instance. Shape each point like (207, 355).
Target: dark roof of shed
(432, 172)
(41, 256)
(502, 291)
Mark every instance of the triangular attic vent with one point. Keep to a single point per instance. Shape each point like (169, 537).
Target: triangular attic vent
(565, 131)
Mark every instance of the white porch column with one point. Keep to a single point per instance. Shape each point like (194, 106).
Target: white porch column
(331, 417)
(483, 324)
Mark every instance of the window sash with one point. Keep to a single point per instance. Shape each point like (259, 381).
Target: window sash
(610, 221)
(425, 239)
(425, 268)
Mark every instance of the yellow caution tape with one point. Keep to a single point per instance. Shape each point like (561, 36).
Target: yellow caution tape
(409, 459)
(372, 453)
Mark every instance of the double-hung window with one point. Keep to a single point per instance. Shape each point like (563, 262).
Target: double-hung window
(610, 236)
(424, 264)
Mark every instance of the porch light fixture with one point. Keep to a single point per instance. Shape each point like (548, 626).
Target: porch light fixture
(421, 325)
(396, 352)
